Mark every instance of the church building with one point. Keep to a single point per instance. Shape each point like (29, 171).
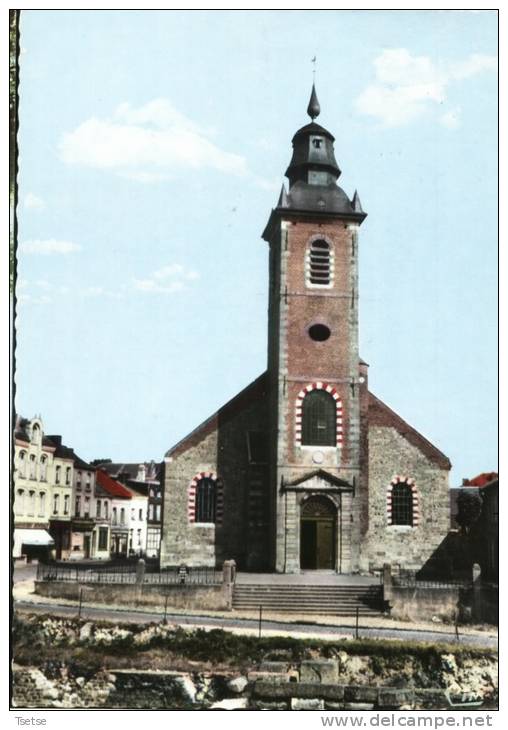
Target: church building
(306, 469)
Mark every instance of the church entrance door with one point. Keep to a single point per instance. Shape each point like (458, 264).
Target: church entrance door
(317, 534)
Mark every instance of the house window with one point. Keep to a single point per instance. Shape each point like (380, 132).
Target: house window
(22, 464)
(319, 419)
(133, 513)
(402, 505)
(44, 464)
(98, 508)
(206, 500)
(78, 480)
(319, 264)
(106, 509)
(20, 502)
(56, 503)
(78, 507)
(122, 516)
(31, 503)
(88, 481)
(57, 475)
(157, 512)
(42, 504)
(68, 475)
(113, 520)
(66, 504)
(150, 512)
(141, 515)
(87, 507)
(103, 538)
(153, 541)
(33, 466)
(139, 538)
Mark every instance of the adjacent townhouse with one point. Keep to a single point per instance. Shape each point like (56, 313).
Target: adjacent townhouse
(33, 484)
(146, 479)
(61, 498)
(119, 500)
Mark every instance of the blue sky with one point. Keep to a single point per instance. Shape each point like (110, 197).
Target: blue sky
(153, 146)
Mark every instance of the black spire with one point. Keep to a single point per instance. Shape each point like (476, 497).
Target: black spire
(313, 109)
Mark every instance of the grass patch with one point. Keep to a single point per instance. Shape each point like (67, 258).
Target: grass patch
(34, 643)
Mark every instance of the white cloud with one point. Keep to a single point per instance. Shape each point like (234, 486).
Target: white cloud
(167, 280)
(146, 144)
(408, 86)
(33, 202)
(48, 246)
(30, 299)
(92, 291)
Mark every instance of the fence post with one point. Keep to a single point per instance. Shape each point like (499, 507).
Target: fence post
(477, 592)
(228, 583)
(387, 585)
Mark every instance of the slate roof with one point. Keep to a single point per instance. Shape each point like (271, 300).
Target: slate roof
(130, 470)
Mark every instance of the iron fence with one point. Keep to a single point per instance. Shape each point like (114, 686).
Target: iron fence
(126, 573)
(412, 579)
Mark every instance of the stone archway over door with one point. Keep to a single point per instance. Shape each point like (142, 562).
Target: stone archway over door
(318, 524)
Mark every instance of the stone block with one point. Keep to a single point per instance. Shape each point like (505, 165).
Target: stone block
(237, 684)
(303, 690)
(360, 693)
(359, 706)
(323, 670)
(272, 677)
(300, 703)
(390, 697)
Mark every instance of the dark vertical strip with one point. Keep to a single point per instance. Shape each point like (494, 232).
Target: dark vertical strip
(13, 235)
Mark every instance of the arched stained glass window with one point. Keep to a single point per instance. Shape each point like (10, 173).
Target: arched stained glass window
(319, 419)
(206, 500)
(402, 504)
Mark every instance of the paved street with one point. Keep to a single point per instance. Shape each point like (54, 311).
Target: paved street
(251, 626)
(324, 627)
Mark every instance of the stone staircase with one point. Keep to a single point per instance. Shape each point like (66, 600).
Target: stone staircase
(331, 600)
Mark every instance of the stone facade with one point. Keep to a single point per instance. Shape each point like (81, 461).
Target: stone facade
(307, 502)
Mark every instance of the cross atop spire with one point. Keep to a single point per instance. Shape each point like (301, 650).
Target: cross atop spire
(313, 109)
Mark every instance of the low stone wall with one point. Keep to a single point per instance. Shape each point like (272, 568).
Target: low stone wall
(214, 597)
(271, 686)
(424, 603)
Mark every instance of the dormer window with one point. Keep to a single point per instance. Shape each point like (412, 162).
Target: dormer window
(36, 434)
(317, 142)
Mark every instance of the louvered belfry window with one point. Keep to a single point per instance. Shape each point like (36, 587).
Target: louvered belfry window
(319, 419)
(206, 500)
(402, 505)
(319, 263)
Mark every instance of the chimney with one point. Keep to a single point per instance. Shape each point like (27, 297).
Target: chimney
(141, 477)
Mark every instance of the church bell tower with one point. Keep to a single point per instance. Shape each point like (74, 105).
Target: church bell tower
(316, 482)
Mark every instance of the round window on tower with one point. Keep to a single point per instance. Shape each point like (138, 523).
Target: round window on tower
(319, 332)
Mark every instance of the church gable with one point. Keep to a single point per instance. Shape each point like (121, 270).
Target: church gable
(254, 392)
(381, 415)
